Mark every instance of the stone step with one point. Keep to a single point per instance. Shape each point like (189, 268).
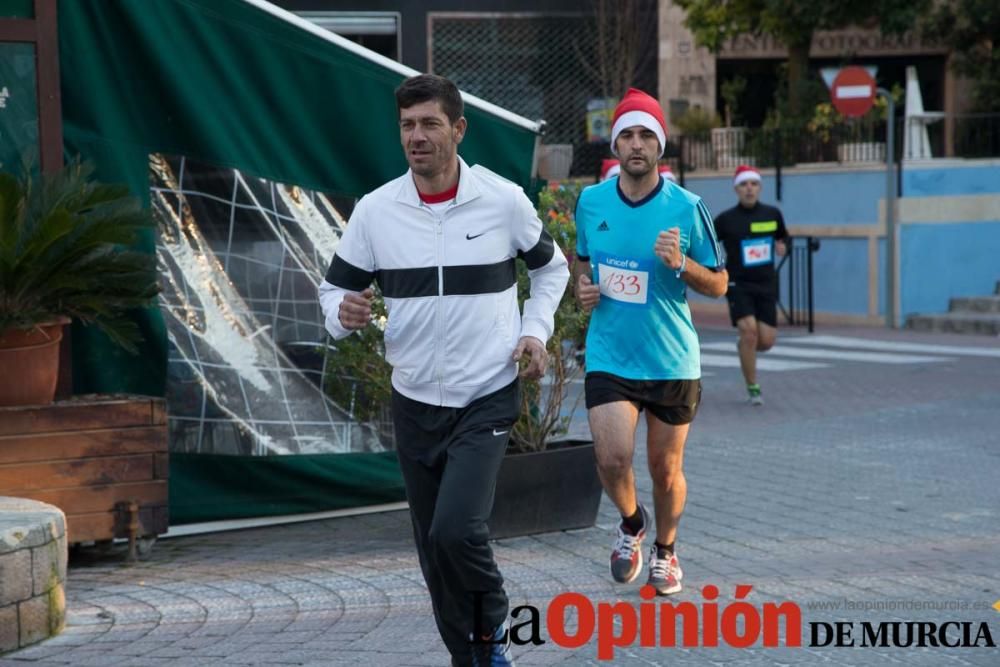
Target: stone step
(975, 304)
(981, 324)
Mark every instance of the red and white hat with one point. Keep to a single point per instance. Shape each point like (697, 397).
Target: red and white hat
(667, 173)
(745, 173)
(610, 168)
(638, 108)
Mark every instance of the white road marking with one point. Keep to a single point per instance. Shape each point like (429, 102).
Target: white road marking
(782, 349)
(763, 363)
(892, 346)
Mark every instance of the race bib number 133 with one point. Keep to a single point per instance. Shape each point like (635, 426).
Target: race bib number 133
(624, 280)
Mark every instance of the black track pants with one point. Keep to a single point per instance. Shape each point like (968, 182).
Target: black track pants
(450, 458)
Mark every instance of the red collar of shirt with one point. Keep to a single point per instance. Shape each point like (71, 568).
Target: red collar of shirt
(439, 197)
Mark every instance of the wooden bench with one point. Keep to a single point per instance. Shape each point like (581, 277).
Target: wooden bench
(101, 459)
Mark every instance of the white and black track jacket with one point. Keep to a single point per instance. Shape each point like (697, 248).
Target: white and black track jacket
(449, 282)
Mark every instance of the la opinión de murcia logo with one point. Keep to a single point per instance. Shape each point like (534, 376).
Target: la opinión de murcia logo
(901, 634)
(619, 624)
(738, 624)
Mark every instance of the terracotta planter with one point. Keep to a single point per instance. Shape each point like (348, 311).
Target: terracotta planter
(31, 359)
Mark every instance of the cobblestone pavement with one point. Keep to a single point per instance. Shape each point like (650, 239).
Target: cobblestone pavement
(862, 481)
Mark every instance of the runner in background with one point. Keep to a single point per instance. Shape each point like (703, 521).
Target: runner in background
(752, 234)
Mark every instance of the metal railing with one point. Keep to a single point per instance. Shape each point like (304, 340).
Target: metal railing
(798, 308)
(726, 147)
(852, 142)
(975, 135)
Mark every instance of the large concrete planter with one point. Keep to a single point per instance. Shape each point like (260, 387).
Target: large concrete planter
(541, 492)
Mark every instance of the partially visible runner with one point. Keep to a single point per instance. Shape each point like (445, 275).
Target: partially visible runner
(441, 241)
(667, 173)
(641, 242)
(610, 168)
(752, 234)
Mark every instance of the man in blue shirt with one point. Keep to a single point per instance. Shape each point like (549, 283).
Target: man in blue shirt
(641, 242)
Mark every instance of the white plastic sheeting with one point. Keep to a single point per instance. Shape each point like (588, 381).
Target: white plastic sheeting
(240, 259)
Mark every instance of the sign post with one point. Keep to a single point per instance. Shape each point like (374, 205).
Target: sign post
(892, 263)
(853, 94)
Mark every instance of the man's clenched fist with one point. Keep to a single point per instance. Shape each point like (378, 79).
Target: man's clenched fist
(587, 293)
(356, 309)
(668, 247)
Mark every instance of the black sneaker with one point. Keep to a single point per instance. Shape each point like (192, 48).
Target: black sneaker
(495, 653)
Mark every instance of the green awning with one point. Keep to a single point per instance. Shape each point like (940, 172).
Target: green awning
(242, 84)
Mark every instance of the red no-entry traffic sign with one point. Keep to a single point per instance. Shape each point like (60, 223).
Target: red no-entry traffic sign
(853, 91)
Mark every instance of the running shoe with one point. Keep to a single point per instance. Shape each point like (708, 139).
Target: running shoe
(626, 558)
(664, 573)
(495, 653)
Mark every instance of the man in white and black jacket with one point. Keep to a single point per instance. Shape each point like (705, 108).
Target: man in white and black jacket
(441, 241)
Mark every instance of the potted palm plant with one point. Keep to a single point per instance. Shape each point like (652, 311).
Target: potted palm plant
(63, 256)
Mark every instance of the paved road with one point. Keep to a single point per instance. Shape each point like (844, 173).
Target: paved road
(869, 478)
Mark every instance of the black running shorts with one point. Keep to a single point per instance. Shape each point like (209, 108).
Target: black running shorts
(761, 301)
(674, 402)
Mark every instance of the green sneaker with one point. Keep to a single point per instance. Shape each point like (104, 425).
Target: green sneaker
(754, 391)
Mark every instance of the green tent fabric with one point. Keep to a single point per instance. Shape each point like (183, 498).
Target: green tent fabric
(208, 487)
(17, 9)
(242, 84)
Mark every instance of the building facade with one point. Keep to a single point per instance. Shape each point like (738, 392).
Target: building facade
(552, 60)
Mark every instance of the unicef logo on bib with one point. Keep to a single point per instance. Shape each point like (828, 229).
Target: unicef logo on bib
(624, 280)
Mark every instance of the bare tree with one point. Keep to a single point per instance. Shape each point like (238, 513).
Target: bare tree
(624, 34)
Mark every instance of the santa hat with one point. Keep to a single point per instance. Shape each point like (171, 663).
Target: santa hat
(667, 173)
(745, 173)
(638, 108)
(609, 168)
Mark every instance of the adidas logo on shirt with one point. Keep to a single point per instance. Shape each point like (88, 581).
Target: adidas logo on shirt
(603, 227)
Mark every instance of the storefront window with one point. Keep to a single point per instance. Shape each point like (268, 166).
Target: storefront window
(18, 106)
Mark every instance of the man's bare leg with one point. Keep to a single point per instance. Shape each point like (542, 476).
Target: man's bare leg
(665, 454)
(613, 427)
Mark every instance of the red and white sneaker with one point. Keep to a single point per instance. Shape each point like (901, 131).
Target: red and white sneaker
(664, 573)
(626, 558)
